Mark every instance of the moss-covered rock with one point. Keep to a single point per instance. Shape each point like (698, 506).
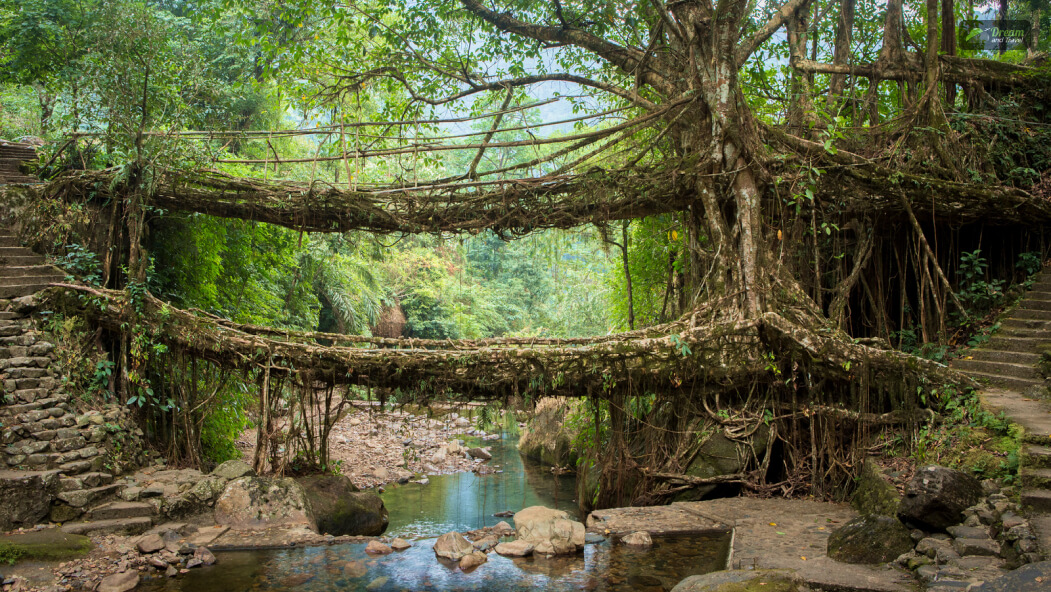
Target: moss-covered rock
(869, 539)
(340, 509)
(761, 580)
(546, 437)
(875, 495)
(49, 544)
(719, 455)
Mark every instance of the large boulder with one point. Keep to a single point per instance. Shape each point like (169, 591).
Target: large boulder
(869, 539)
(767, 580)
(936, 497)
(453, 546)
(259, 502)
(339, 508)
(551, 532)
(26, 496)
(546, 438)
(875, 495)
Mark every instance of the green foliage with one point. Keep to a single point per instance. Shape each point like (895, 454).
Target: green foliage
(977, 293)
(85, 370)
(10, 553)
(220, 430)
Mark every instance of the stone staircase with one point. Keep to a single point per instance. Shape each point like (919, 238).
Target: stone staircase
(12, 155)
(1008, 365)
(48, 452)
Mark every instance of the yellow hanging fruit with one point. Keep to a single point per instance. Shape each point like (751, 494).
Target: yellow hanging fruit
(779, 234)
(674, 235)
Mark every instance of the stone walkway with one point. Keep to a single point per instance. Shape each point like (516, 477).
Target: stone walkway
(1007, 364)
(768, 533)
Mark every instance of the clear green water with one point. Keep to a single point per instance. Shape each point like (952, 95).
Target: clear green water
(460, 502)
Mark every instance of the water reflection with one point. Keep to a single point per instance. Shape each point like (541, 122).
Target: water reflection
(460, 502)
(466, 501)
(613, 568)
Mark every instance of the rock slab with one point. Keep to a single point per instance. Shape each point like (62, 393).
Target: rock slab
(768, 580)
(869, 540)
(339, 508)
(257, 502)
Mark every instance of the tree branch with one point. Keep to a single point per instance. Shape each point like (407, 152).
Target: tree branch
(748, 46)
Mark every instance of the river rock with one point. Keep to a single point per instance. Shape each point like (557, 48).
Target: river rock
(462, 422)
(936, 497)
(204, 555)
(502, 528)
(551, 532)
(27, 497)
(486, 543)
(514, 549)
(150, 543)
(400, 544)
(233, 469)
(875, 495)
(869, 539)
(119, 582)
(637, 539)
(259, 502)
(453, 546)
(339, 508)
(771, 580)
(473, 560)
(378, 548)
(481, 453)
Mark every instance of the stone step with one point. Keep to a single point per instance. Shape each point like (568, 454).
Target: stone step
(1036, 500)
(1036, 478)
(9, 240)
(115, 510)
(8, 315)
(136, 525)
(1032, 414)
(39, 278)
(1018, 384)
(1018, 344)
(1037, 456)
(1035, 302)
(27, 259)
(14, 271)
(1001, 369)
(86, 497)
(1012, 325)
(996, 355)
(20, 291)
(1031, 315)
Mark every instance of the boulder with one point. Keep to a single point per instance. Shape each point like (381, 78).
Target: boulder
(207, 490)
(27, 497)
(204, 555)
(480, 453)
(502, 528)
(378, 548)
(150, 543)
(473, 560)
(719, 455)
(875, 495)
(637, 539)
(259, 502)
(119, 582)
(400, 544)
(551, 532)
(767, 580)
(452, 546)
(936, 497)
(514, 549)
(339, 508)
(233, 469)
(869, 539)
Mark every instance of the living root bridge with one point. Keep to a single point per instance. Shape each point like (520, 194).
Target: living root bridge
(518, 206)
(694, 354)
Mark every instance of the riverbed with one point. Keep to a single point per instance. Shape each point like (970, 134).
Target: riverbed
(461, 502)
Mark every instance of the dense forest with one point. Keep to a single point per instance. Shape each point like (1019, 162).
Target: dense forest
(802, 209)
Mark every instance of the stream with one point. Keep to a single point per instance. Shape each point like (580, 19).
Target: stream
(461, 502)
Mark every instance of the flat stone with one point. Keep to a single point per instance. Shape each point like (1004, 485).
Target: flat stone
(47, 544)
(726, 581)
(514, 549)
(984, 547)
(377, 548)
(968, 532)
(637, 539)
(150, 543)
(400, 544)
(1028, 578)
(119, 582)
(122, 525)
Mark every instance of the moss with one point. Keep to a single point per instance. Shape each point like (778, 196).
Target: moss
(875, 495)
(48, 544)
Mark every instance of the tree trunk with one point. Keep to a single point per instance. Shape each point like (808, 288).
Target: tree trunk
(841, 56)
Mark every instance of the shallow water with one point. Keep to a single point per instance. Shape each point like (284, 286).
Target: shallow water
(461, 502)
